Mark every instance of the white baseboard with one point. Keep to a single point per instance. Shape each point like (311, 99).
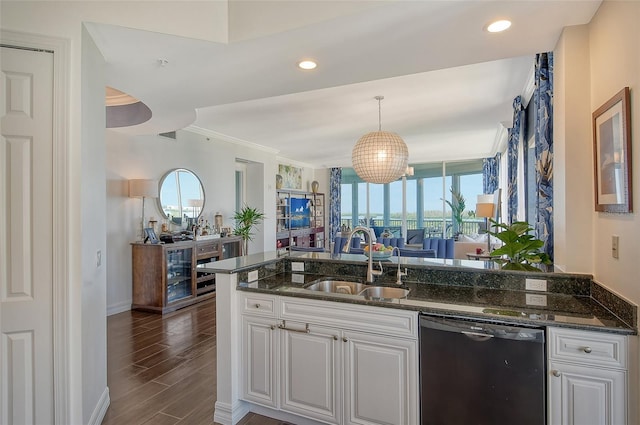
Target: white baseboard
(283, 416)
(226, 414)
(118, 308)
(101, 408)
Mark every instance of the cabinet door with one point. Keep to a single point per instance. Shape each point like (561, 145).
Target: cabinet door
(310, 372)
(259, 357)
(580, 395)
(381, 380)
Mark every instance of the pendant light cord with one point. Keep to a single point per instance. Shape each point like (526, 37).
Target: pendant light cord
(379, 98)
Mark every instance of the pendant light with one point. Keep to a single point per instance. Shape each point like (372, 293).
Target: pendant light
(380, 156)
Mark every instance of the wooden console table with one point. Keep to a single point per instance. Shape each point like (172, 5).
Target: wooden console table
(166, 277)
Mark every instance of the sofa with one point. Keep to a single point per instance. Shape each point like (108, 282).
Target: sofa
(469, 243)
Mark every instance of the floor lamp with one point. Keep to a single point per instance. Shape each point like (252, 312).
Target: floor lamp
(140, 188)
(484, 209)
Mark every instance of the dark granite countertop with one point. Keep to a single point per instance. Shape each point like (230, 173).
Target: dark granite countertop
(475, 302)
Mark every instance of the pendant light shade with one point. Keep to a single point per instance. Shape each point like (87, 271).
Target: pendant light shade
(380, 156)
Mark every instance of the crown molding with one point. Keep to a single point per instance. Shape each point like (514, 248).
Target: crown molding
(500, 141)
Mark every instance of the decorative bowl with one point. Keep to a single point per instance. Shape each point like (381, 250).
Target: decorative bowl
(379, 254)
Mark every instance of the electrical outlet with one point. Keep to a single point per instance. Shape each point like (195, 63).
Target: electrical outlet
(253, 276)
(297, 267)
(536, 285)
(297, 278)
(98, 258)
(615, 246)
(536, 299)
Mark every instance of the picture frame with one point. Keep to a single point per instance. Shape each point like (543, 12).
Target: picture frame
(150, 235)
(612, 154)
(291, 176)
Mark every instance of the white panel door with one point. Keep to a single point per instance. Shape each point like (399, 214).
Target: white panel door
(381, 380)
(310, 372)
(259, 351)
(586, 395)
(26, 255)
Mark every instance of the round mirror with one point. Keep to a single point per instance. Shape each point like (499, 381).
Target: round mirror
(181, 197)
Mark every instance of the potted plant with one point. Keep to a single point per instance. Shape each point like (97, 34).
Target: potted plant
(246, 220)
(520, 249)
(457, 205)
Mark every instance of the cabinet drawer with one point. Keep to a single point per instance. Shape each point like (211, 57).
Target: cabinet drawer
(586, 347)
(263, 305)
(204, 249)
(379, 320)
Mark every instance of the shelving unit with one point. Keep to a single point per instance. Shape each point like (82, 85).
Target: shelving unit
(167, 277)
(305, 229)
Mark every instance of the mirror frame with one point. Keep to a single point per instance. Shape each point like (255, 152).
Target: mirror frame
(183, 208)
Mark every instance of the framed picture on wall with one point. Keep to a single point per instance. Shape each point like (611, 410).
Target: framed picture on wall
(612, 154)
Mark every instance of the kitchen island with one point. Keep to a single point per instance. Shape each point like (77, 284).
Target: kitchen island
(264, 306)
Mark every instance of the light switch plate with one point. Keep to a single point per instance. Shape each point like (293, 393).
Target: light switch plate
(615, 246)
(297, 278)
(536, 285)
(253, 276)
(297, 267)
(536, 299)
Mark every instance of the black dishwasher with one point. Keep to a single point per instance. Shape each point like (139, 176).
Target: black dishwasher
(481, 373)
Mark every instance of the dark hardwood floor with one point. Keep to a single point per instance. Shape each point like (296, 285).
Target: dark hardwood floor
(161, 370)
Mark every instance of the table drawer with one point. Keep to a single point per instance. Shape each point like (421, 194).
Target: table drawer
(204, 249)
(263, 305)
(586, 347)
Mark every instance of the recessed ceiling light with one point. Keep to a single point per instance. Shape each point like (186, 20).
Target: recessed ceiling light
(307, 64)
(499, 26)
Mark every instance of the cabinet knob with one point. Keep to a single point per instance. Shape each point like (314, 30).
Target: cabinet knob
(335, 338)
(272, 327)
(257, 305)
(555, 373)
(344, 338)
(587, 350)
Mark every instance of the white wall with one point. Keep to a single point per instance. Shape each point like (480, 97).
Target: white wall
(212, 160)
(94, 276)
(572, 192)
(614, 40)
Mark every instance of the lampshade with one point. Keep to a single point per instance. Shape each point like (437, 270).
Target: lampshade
(380, 156)
(195, 203)
(140, 188)
(484, 207)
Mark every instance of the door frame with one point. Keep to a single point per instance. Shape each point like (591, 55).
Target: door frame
(62, 231)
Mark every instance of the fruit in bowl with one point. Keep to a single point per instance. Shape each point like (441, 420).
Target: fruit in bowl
(378, 250)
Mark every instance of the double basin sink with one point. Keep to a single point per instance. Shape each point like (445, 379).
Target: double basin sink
(378, 293)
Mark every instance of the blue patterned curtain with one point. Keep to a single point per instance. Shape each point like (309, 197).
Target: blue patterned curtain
(490, 173)
(515, 134)
(543, 104)
(334, 202)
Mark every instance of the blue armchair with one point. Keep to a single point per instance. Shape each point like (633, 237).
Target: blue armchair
(399, 242)
(443, 247)
(339, 243)
(422, 253)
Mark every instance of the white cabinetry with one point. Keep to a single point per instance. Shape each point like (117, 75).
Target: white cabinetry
(333, 362)
(378, 374)
(587, 377)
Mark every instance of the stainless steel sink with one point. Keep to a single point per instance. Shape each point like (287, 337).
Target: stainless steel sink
(384, 293)
(337, 286)
(354, 288)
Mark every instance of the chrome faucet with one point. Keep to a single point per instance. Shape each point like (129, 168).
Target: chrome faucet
(400, 273)
(369, 239)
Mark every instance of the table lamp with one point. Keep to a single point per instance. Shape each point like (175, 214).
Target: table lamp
(484, 209)
(141, 188)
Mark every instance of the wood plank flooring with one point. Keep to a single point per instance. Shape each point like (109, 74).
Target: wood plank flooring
(161, 370)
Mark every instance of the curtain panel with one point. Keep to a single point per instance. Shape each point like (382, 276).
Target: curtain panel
(543, 103)
(490, 174)
(335, 180)
(514, 134)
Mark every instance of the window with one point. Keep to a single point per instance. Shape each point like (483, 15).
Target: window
(426, 191)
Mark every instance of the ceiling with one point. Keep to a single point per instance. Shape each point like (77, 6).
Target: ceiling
(448, 84)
